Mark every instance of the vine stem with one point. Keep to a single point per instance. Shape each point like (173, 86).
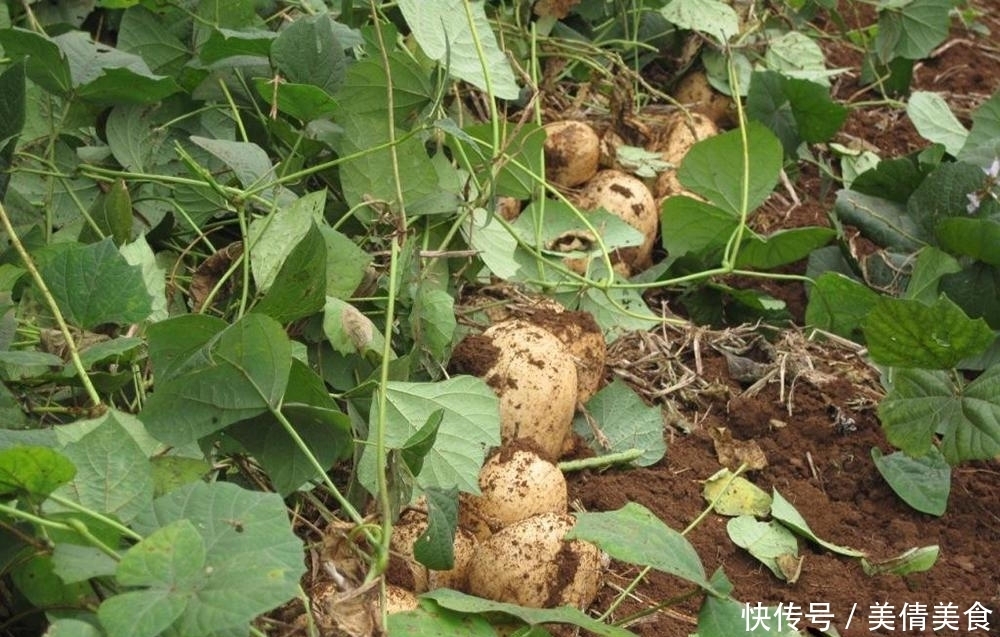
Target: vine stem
(74, 352)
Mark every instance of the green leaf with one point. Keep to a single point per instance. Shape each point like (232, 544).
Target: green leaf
(692, 227)
(35, 471)
(714, 167)
(711, 17)
(912, 29)
(626, 422)
(456, 601)
(477, 155)
(915, 560)
(112, 213)
(796, 55)
(784, 512)
(140, 255)
(976, 238)
(892, 179)
(240, 373)
(471, 424)
(113, 475)
(839, 304)
(175, 345)
(302, 101)
(104, 75)
(172, 556)
(141, 613)
(420, 443)
(906, 333)
(346, 263)
(75, 563)
(885, 222)
(434, 311)
(172, 472)
(766, 541)
(923, 483)
(922, 403)
(230, 43)
(249, 162)
(435, 549)
(796, 110)
(725, 617)
(976, 289)
(782, 247)
(273, 238)
(73, 272)
(143, 33)
(431, 620)
(458, 35)
(372, 173)
(252, 559)
(315, 417)
(932, 264)
(649, 541)
(944, 194)
(44, 62)
(618, 310)
(933, 119)
(307, 52)
(299, 289)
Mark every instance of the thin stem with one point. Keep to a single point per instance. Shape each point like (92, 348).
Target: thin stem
(43, 289)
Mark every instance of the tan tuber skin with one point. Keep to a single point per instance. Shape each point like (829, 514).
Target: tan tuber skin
(572, 152)
(629, 199)
(529, 563)
(515, 484)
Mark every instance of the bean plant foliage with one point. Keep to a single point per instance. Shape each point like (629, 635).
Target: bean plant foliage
(236, 231)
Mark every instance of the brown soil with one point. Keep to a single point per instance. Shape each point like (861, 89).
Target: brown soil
(824, 469)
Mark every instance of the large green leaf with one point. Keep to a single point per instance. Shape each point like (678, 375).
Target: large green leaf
(717, 167)
(912, 29)
(922, 403)
(692, 227)
(470, 426)
(626, 422)
(457, 33)
(307, 52)
(273, 238)
(437, 624)
(523, 145)
(176, 346)
(171, 564)
(251, 560)
(976, 238)
(240, 373)
(105, 75)
(923, 483)
(144, 33)
(74, 272)
(649, 542)
(782, 247)
(839, 304)
(796, 110)
(315, 417)
(36, 471)
(113, 474)
(935, 122)
(908, 333)
(299, 289)
(45, 63)
(712, 17)
(885, 222)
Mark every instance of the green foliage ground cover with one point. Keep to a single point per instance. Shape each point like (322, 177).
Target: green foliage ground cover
(237, 230)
